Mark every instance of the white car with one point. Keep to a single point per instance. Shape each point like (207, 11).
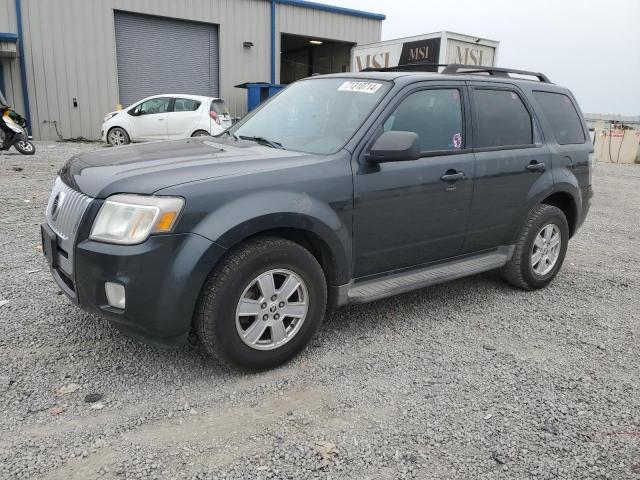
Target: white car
(166, 117)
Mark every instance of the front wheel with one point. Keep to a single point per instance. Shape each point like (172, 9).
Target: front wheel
(25, 147)
(118, 136)
(262, 305)
(540, 249)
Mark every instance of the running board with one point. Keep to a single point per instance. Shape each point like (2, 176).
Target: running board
(394, 284)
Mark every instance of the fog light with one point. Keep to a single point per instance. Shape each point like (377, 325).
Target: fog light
(115, 294)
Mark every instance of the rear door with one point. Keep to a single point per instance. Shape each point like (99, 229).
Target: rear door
(568, 139)
(511, 157)
(149, 119)
(185, 117)
(409, 213)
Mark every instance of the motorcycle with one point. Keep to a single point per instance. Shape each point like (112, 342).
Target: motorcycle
(13, 132)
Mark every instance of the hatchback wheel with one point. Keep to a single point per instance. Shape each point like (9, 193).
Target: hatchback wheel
(540, 249)
(201, 133)
(118, 136)
(262, 305)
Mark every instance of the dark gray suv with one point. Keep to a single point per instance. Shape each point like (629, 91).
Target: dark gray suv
(342, 189)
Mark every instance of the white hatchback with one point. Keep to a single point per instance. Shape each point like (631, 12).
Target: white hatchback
(166, 117)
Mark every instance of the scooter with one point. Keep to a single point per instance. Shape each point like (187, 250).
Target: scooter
(14, 125)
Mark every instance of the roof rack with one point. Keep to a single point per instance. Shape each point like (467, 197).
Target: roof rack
(457, 68)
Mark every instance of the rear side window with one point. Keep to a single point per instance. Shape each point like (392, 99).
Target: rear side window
(502, 119)
(435, 115)
(563, 117)
(186, 105)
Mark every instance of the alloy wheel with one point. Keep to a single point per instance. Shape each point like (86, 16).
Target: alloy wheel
(271, 309)
(25, 146)
(546, 249)
(116, 138)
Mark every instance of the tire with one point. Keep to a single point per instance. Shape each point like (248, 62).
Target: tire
(117, 137)
(201, 133)
(234, 283)
(25, 147)
(523, 271)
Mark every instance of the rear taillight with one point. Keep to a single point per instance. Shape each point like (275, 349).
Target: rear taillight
(214, 116)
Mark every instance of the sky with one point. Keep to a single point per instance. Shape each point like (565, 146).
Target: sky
(591, 47)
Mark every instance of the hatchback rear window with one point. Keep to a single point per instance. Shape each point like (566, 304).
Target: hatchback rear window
(502, 119)
(219, 107)
(562, 115)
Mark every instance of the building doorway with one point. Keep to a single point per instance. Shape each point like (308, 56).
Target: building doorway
(302, 56)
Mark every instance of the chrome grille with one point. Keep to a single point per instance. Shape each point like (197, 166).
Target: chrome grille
(65, 210)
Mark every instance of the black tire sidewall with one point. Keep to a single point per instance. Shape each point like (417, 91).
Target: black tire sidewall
(221, 315)
(550, 215)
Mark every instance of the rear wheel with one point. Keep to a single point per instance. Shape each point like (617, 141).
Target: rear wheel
(25, 147)
(262, 305)
(200, 133)
(118, 136)
(540, 249)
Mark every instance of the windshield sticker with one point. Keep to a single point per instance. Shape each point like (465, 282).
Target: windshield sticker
(362, 87)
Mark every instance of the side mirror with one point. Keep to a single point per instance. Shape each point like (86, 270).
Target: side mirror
(395, 147)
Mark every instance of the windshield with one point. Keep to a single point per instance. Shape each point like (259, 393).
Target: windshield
(314, 116)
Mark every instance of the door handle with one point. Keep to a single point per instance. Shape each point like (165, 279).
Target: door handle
(160, 119)
(452, 176)
(535, 166)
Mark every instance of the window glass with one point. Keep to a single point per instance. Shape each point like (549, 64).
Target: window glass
(317, 115)
(562, 115)
(155, 105)
(186, 105)
(219, 107)
(435, 115)
(502, 119)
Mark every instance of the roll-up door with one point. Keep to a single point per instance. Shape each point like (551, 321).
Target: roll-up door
(161, 55)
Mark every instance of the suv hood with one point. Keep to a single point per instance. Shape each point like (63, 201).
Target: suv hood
(147, 168)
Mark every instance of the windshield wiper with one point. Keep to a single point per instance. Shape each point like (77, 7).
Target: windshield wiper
(263, 141)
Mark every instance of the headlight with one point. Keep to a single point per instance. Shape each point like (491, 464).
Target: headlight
(109, 116)
(130, 219)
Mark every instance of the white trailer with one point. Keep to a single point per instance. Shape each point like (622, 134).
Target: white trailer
(438, 47)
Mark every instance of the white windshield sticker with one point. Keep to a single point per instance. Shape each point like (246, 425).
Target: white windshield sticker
(363, 87)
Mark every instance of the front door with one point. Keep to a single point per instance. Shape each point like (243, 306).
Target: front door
(510, 158)
(409, 213)
(149, 119)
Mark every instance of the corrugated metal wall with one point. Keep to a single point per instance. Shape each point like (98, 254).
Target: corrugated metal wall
(71, 53)
(10, 66)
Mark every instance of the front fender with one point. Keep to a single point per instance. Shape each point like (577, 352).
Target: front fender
(258, 212)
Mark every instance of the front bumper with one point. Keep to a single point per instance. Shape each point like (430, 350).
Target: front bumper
(162, 278)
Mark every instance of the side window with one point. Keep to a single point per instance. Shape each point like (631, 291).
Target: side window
(155, 105)
(186, 105)
(562, 115)
(502, 119)
(435, 115)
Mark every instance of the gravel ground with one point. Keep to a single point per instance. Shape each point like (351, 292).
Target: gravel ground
(471, 379)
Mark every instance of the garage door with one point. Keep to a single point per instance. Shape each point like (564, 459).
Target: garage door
(161, 55)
